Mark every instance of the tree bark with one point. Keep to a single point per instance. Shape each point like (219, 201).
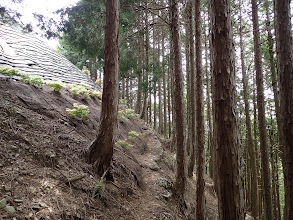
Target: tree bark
(101, 150)
(261, 115)
(180, 179)
(285, 68)
(230, 194)
(253, 193)
(192, 111)
(200, 152)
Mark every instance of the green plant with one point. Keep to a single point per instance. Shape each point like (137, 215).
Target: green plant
(85, 70)
(121, 116)
(79, 111)
(123, 101)
(85, 85)
(56, 85)
(96, 94)
(7, 71)
(98, 82)
(24, 77)
(35, 80)
(100, 186)
(126, 114)
(123, 144)
(132, 135)
(79, 89)
(130, 113)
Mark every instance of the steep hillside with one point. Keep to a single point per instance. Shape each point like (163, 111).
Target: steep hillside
(44, 174)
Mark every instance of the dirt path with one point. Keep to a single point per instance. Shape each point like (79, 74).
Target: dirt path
(153, 204)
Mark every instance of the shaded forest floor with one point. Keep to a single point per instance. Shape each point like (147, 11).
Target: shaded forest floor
(44, 174)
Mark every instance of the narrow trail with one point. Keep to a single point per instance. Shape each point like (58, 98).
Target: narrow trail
(153, 204)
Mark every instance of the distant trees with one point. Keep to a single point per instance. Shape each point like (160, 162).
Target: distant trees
(164, 95)
(261, 115)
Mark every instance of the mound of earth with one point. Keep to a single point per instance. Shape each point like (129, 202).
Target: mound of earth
(44, 173)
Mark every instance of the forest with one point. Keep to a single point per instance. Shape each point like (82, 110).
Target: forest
(213, 78)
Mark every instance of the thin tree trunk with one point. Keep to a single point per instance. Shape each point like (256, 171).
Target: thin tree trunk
(200, 152)
(253, 192)
(140, 66)
(143, 112)
(274, 79)
(164, 86)
(261, 116)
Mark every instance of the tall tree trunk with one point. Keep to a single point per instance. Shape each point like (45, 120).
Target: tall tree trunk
(180, 180)
(253, 193)
(200, 152)
(140, 66)
(164, 85)
(143, 112)
(274, 78)
(101, 150)
(285, 68)
(230, 194)
(209, 115)
(189, 94)
(261, 115)
(273, 167)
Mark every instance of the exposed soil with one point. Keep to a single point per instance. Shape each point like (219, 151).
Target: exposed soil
(44, 174)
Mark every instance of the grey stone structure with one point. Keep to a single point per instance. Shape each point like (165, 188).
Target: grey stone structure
(30, 55)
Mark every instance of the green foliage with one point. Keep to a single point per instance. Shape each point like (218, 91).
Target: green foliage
(56, 85)
(123, 101)
(33, 79)
(130, 113)
(9, 71)
(100, 186)
(121, 116)
(132, 135)
(85, 70)
(79, 111)
(97, 94)
(126, 114)
(79, 89)
(98, 82)
(123, 144)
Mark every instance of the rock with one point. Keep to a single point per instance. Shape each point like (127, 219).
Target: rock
(164, 182)
(35, 206)
(33, 190)
(18, 200)
(7, 188)
(166, 216)
(10, 209)
(3, 203)
(167, 196)
(151, 165)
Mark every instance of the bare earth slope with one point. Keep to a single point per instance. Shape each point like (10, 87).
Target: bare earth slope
(44, 175)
